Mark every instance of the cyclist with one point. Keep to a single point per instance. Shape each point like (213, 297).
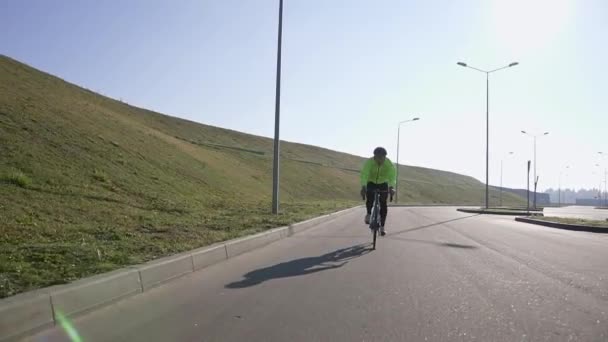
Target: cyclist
(377, 173)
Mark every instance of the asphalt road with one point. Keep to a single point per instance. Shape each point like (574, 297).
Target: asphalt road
(439, 275)
(589, 213)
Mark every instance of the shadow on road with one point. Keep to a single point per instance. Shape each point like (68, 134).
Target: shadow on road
(457, 245)
(441, 244)
(429, 225)
(303, 266)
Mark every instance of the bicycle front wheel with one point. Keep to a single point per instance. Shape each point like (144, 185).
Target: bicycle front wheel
(375, 234)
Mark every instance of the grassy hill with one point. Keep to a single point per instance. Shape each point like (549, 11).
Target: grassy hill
(89, 184)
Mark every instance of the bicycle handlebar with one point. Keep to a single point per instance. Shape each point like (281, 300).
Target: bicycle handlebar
(384, 192)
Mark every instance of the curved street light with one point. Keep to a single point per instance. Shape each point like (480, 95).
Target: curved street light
(398, 140)
(487, 72)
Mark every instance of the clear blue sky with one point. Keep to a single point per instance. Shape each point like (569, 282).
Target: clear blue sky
(352, 69)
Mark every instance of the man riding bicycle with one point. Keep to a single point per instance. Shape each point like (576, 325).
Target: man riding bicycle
(378, 173)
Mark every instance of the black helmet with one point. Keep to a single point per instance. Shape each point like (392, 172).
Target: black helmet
(380, 151)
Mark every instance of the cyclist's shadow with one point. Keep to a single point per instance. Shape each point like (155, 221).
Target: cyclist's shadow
(303, 266)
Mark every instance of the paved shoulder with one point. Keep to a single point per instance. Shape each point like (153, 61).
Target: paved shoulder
(438, 275)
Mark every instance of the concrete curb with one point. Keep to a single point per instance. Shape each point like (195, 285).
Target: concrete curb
(244, 245)
(27, 313)
(90, 293)
(160, 271)
(508, 213)
(518, 209)
(575, 227)
(208, 256)
(304, 225)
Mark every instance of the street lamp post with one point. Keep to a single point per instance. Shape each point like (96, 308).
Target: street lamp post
(501, 162)
(535, 177)
(487, 120)
(277, 117)
(559, 201)
(398, 140)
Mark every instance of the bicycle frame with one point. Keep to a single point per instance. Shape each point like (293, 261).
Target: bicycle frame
(375, 219)
(374, 222)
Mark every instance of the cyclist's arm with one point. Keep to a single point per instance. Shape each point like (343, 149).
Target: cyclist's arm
(392, 179)
(365, 171)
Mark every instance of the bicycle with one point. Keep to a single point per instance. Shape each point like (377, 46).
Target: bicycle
(375, 219)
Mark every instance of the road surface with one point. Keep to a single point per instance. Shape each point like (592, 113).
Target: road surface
(440, 275)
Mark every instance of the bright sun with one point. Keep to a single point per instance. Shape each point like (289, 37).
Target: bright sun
(525, 25)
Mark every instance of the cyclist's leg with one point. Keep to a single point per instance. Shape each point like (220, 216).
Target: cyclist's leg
(369, 203)
(383, 204)
(370, 197)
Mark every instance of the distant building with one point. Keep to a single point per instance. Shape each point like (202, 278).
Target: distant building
(590, 201)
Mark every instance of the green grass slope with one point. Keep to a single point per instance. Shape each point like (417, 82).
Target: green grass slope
(89, 184)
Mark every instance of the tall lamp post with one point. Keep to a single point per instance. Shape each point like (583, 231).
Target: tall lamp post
(501, 162)
(535, 177)
(277, 119)
(398, 140)
(462, 64)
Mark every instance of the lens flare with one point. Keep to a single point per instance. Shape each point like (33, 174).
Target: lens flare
(67, 327)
